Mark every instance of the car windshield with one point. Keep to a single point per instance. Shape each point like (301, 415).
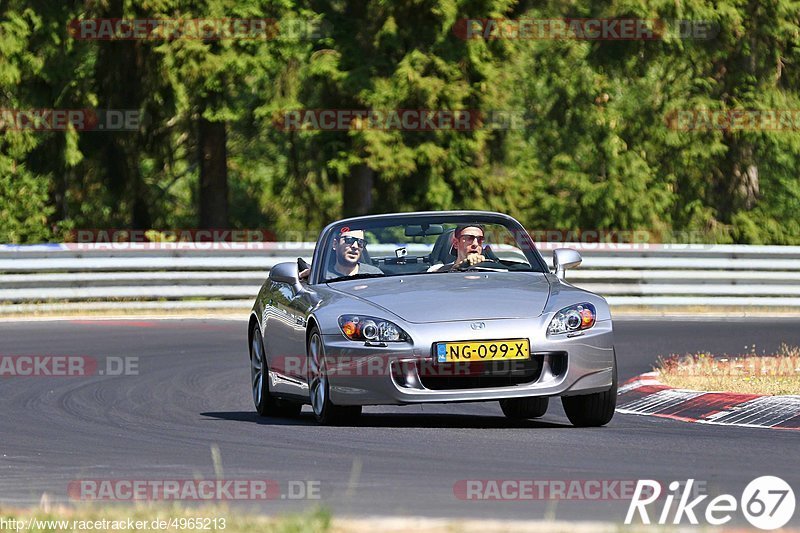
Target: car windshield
(432, 245)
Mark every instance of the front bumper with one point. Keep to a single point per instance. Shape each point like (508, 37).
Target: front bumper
(406, 373)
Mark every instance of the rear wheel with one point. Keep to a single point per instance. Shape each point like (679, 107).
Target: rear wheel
(319, 394)
(266, 404)
(522, 408)
(592, 410)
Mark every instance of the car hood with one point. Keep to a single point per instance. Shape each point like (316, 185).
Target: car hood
(453, 296)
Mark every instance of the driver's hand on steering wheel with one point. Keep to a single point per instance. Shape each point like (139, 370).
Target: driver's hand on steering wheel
(472, 259)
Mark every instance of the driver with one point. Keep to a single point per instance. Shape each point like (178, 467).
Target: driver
(468, 245)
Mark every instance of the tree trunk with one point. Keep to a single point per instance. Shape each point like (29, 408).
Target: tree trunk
(123, 74)
(738, 185)
(357, 191)
(213, 174)
(745, 178)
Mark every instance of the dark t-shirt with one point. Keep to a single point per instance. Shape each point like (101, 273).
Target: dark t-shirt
(363, 268)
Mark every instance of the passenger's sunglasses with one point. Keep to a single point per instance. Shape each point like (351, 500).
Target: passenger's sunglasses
(469, 238)
(350, 240)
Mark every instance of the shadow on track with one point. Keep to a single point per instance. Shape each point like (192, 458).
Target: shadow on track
(378, 420)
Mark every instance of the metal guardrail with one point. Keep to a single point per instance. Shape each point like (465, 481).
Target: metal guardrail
(228, 275)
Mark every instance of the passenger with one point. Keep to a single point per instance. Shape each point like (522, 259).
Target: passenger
(348, 248)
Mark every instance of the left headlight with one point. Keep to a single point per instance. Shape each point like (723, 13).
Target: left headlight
(371, 329)
(573, 318)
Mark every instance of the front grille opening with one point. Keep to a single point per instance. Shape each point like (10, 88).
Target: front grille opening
(558, 363)
(479, 374)
(405, 374)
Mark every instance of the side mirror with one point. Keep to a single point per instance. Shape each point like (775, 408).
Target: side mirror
(285, 273)
(564, 259)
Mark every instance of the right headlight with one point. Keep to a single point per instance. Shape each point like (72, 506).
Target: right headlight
(573, 318)
(371, 329)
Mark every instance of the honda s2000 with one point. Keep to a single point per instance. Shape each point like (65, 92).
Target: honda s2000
(431, 307)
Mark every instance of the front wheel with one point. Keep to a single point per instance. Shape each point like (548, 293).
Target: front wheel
(319, 393)
(592, 410)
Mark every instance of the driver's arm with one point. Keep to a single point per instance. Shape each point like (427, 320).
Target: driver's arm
(470, 260)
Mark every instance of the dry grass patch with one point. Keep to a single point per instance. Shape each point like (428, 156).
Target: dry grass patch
(747, 374)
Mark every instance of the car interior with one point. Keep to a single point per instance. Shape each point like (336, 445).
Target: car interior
(404, 262)
(442, 252)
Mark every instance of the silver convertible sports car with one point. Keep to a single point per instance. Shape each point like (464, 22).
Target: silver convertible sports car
(428, 308)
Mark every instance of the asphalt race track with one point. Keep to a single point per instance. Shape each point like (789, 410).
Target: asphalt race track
(192, 393)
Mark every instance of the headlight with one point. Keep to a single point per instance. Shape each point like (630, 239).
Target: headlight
(572, 318)
(370, 329)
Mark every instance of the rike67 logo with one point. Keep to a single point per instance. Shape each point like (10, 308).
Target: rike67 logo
(767, 502)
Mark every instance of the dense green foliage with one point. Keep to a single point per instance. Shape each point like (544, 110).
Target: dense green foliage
(597, 148)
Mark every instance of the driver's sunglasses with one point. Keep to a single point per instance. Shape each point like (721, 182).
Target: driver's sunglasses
(469, 238)
(350, 240)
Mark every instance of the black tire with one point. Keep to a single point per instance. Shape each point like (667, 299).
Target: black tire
(325, 411)
(524, 408)
(592, 410)
(266, 404)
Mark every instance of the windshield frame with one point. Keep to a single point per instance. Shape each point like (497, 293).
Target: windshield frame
(322, 251)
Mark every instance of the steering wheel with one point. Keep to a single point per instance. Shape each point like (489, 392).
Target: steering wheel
(487, 266)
